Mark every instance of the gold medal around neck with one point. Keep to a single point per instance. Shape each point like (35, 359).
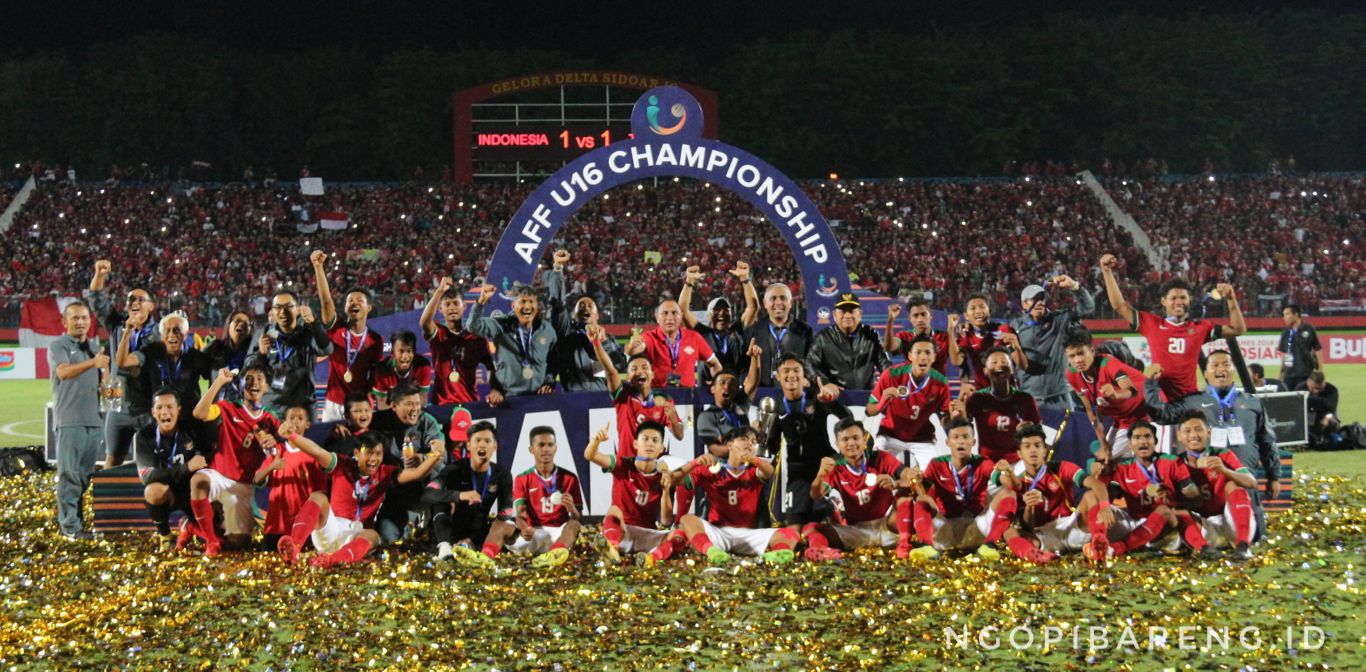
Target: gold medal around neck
(528, 373)
(1154, 490)
(455, 377)
(347, 376)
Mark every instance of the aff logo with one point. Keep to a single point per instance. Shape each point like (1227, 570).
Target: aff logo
(678, 111)
(7, 360)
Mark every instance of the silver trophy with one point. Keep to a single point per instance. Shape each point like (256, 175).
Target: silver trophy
(768, 415)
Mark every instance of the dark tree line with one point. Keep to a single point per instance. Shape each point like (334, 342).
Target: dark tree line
(1236, 90)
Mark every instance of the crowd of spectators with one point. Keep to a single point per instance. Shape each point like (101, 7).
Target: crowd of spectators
(212, 248)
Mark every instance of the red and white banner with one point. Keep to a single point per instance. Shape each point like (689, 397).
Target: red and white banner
(1338, 348)
(333, 221)
(23, 364)
(40, 321)
(1349, 348)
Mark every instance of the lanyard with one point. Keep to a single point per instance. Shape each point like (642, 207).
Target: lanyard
(284, 352)
(958, 484)
(1152, 476)
(353, 351)
(725, 469)
(787, 407)
(524, 340)
(1038, 478)
(673, 350)
(483, 487)
(175, 373)
(175, 445)
(914, 388)
(136, 339)
(1226, 412)
(860, 472)
(731, 419)
(549, 484)
(778, 337)
(361, 492)
(722, 341)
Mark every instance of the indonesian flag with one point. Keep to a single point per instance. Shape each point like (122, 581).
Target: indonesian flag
(333, 221)
(40, 321)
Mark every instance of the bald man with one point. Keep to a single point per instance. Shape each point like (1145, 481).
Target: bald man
(673, 350)
(778, 332)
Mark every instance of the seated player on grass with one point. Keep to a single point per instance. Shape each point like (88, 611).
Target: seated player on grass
(292, 476)
(547, 502)
(642, 493)
(1050, 512)
(1147, 484)
(952, 510)
(863, 486)
(342, 525)
(170, 457)
(1223, 507)
(469, 497)
(246, 435)
(734, 490)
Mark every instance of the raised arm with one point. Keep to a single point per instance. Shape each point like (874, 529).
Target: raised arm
(1237, 326)
(1108, 264)
(328, 309)
(204, 408)
(890, 342)
(474, 317)
(122, 358)
(427, 323)
(751, 312)
(97, 281)
(595, 336)
(326, 459)
(690, 277)
(591, 453)
(756, 356)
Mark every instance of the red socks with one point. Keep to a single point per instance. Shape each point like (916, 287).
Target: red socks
(1151, 527)
(1240, 508)
(924, 523)
(683, 496)
(305, 522)
(784, 539)
(1021, 547)
(903, 522)
(1191, 532)
(1098, 530)
(671, 544)
(491, 549)
(611, 529)
(203, 516)
(1005, 510)
(556, 545)
(353, 551)
(814, 537)
(700, 543)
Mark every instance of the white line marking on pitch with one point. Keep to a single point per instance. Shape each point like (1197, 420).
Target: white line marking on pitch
(9, 429)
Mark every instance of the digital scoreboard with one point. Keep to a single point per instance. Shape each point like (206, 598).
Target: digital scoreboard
(507, 142)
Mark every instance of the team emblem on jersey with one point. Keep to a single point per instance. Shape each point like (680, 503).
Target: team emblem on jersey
(641, 418)
(690, 350)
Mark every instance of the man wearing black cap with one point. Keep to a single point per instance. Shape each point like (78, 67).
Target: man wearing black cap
(722, 332)
(1041, 332)
(847, 354)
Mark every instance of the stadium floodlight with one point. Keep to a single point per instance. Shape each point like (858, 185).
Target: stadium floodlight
(1211, 178)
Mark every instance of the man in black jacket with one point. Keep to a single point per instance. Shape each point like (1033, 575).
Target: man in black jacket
(847, 354)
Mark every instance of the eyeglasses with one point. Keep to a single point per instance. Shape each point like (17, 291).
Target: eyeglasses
(132, 299)
(282, 306)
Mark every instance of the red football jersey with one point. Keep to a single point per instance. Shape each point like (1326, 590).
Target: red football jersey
(679, 356)
(239, 454)
(997, 419)
(908, 418)
(1109, 370)
(941, 347)
(975, 344)
(1133, 479)
(387, 376)
(1176, 348)
(863, 502)
(961, 495)
(355, 353)
(461, 352)
(631, 411)
(635, 493)
(1056, 482)
(290, 487)
(536, 493)
(733, 497)
(356, 497)
(1211, 483)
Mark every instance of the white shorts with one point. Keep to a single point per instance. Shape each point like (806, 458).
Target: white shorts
(335, 533)
(962, 532)
(236, 499)
(542, 538)
(1061, 534)
(739, 540)
(635, 539)
(867, 534)
(1219, 530)
(911, 454)
(1119, 443)
(332, 412)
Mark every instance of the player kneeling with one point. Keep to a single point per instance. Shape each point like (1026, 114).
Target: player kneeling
(641, 494)
(547, 502)
(862, 484)
(468, 497)
(342, 526)
(1147, 482)
(172, 457)
(951, 510)
(734, 490)
(1048, 516)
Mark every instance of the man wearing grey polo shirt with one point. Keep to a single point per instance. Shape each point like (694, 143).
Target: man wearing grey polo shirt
(76, 362)
(1042, 332)
(523, 341)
